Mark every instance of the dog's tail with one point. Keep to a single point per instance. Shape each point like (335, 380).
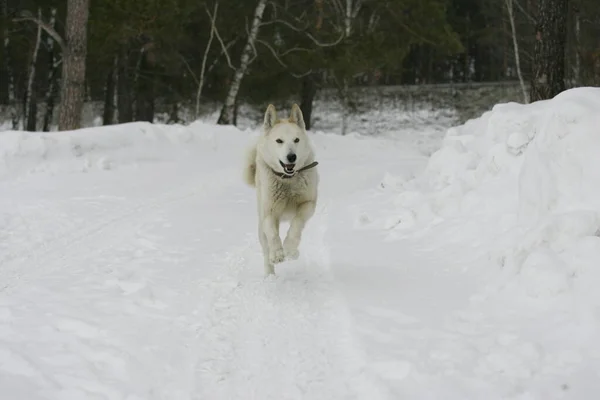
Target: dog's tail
(250, 167)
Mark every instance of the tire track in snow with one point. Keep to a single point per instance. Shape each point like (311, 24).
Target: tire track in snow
(288, 337)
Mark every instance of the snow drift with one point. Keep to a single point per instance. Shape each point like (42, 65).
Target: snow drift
(103, 148)
(523, 179)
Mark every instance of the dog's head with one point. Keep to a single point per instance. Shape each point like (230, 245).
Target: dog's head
(285, 146)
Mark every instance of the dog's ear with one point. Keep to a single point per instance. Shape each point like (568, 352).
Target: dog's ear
(297, 117)
(270, 118)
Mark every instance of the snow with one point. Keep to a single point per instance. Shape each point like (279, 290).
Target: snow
(513, 197)
(130, 267)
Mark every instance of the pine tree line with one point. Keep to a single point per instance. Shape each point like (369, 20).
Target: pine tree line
(138, 56)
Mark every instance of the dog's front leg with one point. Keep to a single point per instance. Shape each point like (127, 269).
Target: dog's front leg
(292, 240)
(269, 267)
(271, 230)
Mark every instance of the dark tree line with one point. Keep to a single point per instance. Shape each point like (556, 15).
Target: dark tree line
(140, 56)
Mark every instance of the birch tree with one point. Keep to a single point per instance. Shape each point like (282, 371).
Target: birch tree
(511, 18)
(227, 112)
(30, 108)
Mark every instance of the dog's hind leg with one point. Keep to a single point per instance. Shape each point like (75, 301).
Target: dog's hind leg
(292, 240)
(269, 267)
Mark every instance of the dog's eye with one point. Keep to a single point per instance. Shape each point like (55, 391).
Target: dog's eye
(296, 140)
(279, 141)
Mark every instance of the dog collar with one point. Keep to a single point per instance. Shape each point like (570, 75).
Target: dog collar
(286, 176)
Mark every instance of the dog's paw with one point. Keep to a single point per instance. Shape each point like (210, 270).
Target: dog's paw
(276, 256)
(291, 253)
(290, 246)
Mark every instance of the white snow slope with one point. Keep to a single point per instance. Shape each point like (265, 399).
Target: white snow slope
(130, 267)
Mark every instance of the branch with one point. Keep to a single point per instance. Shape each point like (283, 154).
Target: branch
(357, 6)
(224, 48)
(274, 6)
(303, 30)
(299, 76)
(187, 65)
(339, 8)
(268, 46)
(373, 20)
(525, 13)
(223, 51)
(280, 61)
(49, 30)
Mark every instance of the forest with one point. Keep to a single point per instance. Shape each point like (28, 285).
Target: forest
(140, 56)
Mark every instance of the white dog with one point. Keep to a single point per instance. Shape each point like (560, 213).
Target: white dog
(281, 167)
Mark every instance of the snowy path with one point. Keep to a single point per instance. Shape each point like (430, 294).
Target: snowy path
(145, 283)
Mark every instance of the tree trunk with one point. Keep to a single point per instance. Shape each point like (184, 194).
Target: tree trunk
(504, 74)
(174, 113)
(307, 96)
(73, 71)
(4, 66)
(108, 116)
(124, 99)
(51, 95)
(211, 36)
(352, 9)
(345, 97)
(145, 90)
(228, 109)
(549, 53)
(236, 108)
(30, 110)
(52, 77)
(577, 67)
(348, 18)
(511, 18)
(17, 89)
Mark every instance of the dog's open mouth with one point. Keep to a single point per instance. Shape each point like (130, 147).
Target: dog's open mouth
(288, 169)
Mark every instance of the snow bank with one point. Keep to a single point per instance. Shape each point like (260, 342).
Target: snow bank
(103, 147)
(523, 181)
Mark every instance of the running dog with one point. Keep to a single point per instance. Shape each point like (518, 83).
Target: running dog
(280, 166)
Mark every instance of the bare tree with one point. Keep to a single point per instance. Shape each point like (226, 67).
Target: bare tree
(5, 77)
(213, 27)
(344, 14)
(73, 71)
(549, 53)
(74, 51)
(52, 76)
(577, 66)
(108, 115)
(352, 9)
(30, 110)
(511, 18)
(227, 112)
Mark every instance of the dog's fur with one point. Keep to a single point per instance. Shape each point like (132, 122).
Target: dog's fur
(282, 198)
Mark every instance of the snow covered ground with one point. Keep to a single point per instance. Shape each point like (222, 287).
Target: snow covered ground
(130, 267)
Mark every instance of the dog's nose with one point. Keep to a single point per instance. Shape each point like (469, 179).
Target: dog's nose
(291, 158)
